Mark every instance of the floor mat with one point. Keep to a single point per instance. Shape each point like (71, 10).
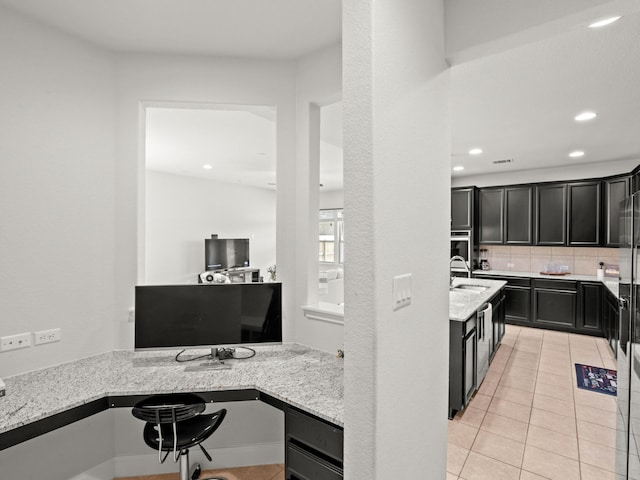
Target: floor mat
(597, 379)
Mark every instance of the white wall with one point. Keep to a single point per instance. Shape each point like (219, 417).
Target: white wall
(332, 199)
(574, 172)
(318, 83)
(397, 179)
(182, 211)
(164, 79)
(57, 136)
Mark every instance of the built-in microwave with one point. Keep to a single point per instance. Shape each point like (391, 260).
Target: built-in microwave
(461, 245)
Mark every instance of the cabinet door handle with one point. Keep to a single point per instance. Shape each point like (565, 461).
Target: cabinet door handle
(623, 303)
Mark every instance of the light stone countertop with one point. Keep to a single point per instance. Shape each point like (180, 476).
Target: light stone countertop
(300, 376)
(463, 304)
(609, 282)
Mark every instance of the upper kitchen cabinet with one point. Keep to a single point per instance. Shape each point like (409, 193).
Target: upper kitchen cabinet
(584, 213)
(615, 190)
(462, 208)
(518, 215)
(491, 214)
(551, 214)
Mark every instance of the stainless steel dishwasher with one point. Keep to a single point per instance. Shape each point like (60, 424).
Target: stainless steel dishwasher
(485, 341)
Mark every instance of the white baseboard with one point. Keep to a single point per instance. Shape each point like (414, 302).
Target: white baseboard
(104, 471)
(147, 464)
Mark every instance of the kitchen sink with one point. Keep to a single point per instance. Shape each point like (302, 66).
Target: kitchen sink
(469, 288)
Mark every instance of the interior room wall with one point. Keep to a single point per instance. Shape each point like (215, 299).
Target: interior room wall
(168, 79)
(588, 170)
(57, 137)
(332, 199)
(319, 82)
(182, 211)
(396, 155)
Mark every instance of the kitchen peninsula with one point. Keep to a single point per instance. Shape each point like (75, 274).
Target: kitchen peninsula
(476, 327)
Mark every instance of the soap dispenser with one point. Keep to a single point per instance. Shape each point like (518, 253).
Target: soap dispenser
(600, 271)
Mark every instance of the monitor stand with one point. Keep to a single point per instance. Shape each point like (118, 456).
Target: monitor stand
(213, 362)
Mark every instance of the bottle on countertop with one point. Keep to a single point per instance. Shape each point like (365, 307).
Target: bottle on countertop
(600, 271)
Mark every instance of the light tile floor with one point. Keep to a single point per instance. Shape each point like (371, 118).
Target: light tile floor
(529, 421)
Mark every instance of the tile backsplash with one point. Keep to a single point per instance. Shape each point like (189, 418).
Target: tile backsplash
(579, 260)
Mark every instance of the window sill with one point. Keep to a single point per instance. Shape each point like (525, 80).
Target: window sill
(325, 312)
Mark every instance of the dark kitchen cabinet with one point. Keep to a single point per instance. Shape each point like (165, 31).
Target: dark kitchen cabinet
(498, 319)
(313, 448)
(589, 317)
(610, 320)
(584, 213)
(463, 357)
(491, 212)
(462, 208)
(615, 190)
(555, 304)
(517, 298)
(550, 214)
(518, 211)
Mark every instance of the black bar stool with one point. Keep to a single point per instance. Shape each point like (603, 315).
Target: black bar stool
(175, 423)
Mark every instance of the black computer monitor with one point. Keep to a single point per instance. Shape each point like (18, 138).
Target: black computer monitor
(226, 253)
(207, 316)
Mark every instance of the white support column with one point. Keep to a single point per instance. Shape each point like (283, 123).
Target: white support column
(397, 200)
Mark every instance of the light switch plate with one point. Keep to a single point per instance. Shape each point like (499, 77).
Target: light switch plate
(402, 291)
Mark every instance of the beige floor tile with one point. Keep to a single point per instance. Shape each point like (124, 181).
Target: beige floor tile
(551, 441)
(595, 415)
(479, 467)
(514, 395)
(499, 448)
(549, 464)
(487, 388)
(589, 472)
(598, 434)
(555, 379)
(471, 416)
(561, 393)
(461, 434)
(456, 457)
(510, 409)
(506, 427)
(550, 404)
(524, 475)
(451, 476)
(480, 401)
(493, 376)
(553, 421)
(597, 455)
(595, 400)
(526, 383)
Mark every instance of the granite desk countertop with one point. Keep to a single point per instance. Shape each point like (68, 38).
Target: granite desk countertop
(609, 282)
(302, 377)
(463, 304)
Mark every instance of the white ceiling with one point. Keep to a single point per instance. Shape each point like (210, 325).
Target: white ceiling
(282, 29)
(518, 104)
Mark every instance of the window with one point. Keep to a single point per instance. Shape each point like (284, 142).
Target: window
(331, 238)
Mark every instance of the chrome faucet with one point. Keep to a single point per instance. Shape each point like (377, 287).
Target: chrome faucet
(464, 262)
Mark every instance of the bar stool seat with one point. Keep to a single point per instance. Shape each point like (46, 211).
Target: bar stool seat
(175, 423)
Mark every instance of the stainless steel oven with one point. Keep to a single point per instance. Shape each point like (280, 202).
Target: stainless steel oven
(461, 245)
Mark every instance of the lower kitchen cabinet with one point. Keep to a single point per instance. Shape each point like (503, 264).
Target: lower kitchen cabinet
(313, 448)
(555, 303)
(610, 320)
(498, 303)
(590, 314)
(565, 305)
(463, 357)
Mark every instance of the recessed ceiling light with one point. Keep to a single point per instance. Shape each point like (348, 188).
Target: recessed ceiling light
(584, 116)
(604, 22)
(458, 168)
(207, 167)
(475, 151)
(576, 154)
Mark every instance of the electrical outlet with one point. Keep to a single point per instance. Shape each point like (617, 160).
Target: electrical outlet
(46, 336)
(13, 342)
(510, 265)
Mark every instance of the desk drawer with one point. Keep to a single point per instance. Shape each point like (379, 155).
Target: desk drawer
(314, 434)
(302, 465)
